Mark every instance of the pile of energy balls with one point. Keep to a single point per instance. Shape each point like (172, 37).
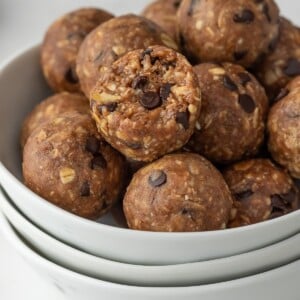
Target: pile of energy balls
(188, 113)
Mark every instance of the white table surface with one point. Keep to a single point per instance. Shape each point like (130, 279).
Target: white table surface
(22, 23)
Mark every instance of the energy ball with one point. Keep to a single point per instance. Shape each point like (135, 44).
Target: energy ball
(284, 128)
(179, 192)
(61, 45)
(147, 103)
(163, 13)
(234, 107)
(67, 162)
(280, 66)
(238, 31)
(51, 108)
(261, 190)
(113, 39)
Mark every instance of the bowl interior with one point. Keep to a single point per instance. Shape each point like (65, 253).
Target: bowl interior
(23, 83)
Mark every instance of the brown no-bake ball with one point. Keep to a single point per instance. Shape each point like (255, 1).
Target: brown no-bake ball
(281, 65)
(284, 128)
(261, 191)
(179, 192)
(51, 108)
(67, 162)
(237, 31)
(163, 13)
(113, 39)
(61, 45)
(234, 106)
(147, 104)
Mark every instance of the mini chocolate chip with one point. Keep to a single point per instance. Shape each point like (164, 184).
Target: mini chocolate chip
(245, 16)
(85, 189)
(110, 107)
(267, 12)
(292, 68)
(182, 118)
(244, 77)
(92, 145)
(184, 211)
(150, 100)
(243, 195)
(177, 3)
(283, 93)
(71, 75)
(139, 82)
(146, 52)
(247, 103)
(164, 91)
(239, 55)
(229, 84)
(98, 162)
(157, 178)
(191, 8)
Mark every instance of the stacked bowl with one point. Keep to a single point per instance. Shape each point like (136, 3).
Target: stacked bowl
(88, 259)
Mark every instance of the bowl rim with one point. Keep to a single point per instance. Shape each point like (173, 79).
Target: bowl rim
(24, 250)
(94, 225)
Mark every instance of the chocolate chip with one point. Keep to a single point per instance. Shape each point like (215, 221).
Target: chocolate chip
(292, 68)
(177, 3)
(243, 195)
(191, 8)
(85, 189)
(157, 178)
(183, 119)
(139, 82)
(229, 84)
(283, 93)
(239, 55)
(247, 103)
(92, 145)
(245, 16)
(244, 77)
(110, 107)
(164, 91)
(150, 100)
(146, 52)
(98, 162)
(267, 12)
(71, 75)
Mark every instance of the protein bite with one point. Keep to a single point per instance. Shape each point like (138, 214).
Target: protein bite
(179, 192)
(51, 108)
(281, 65)
(113, 39)
(261, 190)
(234, 107)
(284, 128)
(238, 31)
(163, 13)
(147, 103)
(61, 45)
(67, 162)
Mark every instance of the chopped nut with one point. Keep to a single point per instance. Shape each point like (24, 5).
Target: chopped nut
(104, 97)
(66, 175)
(217, 71)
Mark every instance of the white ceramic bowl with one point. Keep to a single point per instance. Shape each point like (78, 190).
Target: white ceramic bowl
(22, 86)
(278, 284)
(174, 275)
